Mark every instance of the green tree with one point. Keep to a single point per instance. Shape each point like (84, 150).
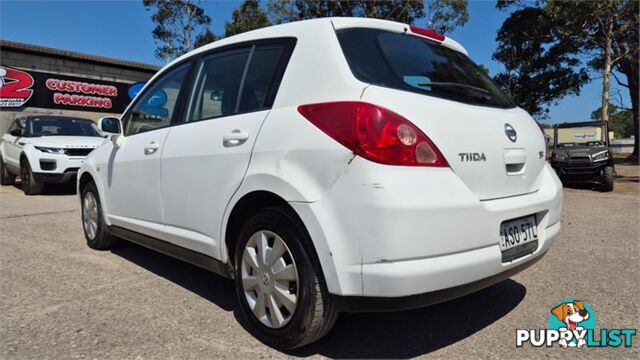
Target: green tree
(597, 27)
(538, 70)
(180, 26)
(604, 34)
(620, 120)
(249, 16)
(442, 15)
(445, 15)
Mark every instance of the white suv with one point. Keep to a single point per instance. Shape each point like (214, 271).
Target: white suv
(46, 149)
(327, 165)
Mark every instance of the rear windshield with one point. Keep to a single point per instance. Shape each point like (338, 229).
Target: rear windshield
(54, 126)
(415, 64)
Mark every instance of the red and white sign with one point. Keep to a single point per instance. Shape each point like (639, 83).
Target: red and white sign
(15, 87)
(57, 91)
(82, 92)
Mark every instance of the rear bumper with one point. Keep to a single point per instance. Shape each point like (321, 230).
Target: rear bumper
(403, 235)
(385, 304)
(449, 276)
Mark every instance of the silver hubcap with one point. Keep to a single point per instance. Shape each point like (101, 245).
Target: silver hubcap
(90, 215)
(269, 279)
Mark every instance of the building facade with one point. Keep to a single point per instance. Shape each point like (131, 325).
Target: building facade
(36, 80)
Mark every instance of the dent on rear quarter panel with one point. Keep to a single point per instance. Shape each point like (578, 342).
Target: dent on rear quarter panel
(291, 149)
(300, 165)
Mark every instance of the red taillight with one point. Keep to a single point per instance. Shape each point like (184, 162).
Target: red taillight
(375, 133)
(426, 32)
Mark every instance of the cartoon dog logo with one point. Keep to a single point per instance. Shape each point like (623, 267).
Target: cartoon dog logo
(571, 314)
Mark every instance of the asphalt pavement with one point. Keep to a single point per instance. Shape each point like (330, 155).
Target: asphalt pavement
(59, 299)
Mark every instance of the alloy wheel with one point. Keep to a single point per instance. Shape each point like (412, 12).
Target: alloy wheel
(269, 279)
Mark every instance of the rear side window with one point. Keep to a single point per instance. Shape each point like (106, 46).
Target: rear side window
(237, 81)
(218, 84)
(411, 63)
(261, 76)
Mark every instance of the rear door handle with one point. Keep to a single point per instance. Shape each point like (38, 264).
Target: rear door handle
(151, 148)
(235, 137)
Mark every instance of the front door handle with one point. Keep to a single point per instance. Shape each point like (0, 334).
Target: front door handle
(151, 148)
(235, 137)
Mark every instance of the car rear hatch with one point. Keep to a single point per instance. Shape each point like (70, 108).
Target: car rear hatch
(474, 142)
(496, 149)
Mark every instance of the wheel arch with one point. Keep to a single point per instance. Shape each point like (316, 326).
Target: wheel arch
(83, 180)
(251, 202)
(23, 156)
(243, 209)
(86, 175)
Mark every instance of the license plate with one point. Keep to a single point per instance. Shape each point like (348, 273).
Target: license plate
(518, 237)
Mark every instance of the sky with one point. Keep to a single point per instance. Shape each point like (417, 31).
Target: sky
(122, 29)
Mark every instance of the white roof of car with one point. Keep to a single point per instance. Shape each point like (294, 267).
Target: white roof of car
(290, 29)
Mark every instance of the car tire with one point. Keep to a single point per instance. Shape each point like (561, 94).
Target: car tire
(6, 178)
(314, 313)
(608, 177)
(30, 185)
(96, 231)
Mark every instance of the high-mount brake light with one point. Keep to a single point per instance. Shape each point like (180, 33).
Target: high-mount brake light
(375, 133)
(426, 32)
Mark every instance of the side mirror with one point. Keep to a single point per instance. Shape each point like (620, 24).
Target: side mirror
(16, 132)
(110, 125)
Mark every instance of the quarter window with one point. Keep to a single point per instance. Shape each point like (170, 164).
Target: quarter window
(158, 103)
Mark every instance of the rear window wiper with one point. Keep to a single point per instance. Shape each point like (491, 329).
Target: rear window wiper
(485, 94)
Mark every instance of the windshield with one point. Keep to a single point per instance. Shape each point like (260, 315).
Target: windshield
(415, 64)
(580, 136)
(61, 126)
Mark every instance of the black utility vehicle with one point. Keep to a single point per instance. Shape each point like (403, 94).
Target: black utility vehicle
(581, 153)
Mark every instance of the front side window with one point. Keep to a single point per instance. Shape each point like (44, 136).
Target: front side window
(155, 108)
(61, 126)
(218, 84)
(411, 63)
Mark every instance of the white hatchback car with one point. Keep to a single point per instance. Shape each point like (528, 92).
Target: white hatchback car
(328, 165)
(46, 149)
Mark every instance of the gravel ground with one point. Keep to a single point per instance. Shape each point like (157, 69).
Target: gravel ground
(59, 299)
